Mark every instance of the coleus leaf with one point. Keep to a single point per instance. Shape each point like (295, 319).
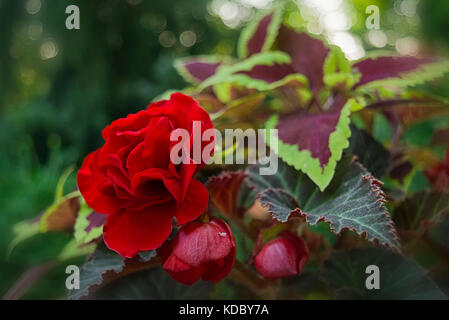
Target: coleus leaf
(88, 225)
(421, 211)
(400, 278)
(354, 200)
(260, 33)
(240, 108)
(314, 142)
(61, 216)
(196, 69)
(308, 55)
(261, 71)
(396, 70)
(338, 71)
(105, 266)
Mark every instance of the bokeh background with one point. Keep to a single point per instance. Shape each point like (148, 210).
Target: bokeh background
(59, 87)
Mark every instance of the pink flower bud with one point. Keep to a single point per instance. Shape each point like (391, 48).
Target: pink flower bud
(200, 250)
(282, 257)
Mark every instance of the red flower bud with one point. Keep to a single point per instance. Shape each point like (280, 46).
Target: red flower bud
(282, 257)
(200, 250)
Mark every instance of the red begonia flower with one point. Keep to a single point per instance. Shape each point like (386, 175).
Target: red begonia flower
(282, 257)
(133, 180)
(200, 250)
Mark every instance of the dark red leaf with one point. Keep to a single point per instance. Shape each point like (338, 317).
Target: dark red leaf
(269, 74)
(95, 220)
(197, 69)
(311, 131)
(380, 68)
(308, 55)
(257, 41)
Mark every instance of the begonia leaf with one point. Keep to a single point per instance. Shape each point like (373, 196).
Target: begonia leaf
(399, 277)
(354, 200)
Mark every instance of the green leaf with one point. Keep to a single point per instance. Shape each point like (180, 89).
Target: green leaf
(262, 85)
(421, 211)
(370, 153)
(73, 249)
(59, 216)
(354, 200)
(85, 231)
(302, 159)
(439, 232)
(417, 75)
(382, 130)
(23, 231)
(400, 278)
(338, 70)
(260, 34)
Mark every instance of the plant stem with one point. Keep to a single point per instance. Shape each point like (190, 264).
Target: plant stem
(241, 273)
(249, 232)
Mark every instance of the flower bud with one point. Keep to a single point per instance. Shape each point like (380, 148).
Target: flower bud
(200, 250)
(282, 257)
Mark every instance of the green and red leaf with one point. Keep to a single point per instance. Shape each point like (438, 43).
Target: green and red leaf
(399, 70)
(307, 54)
(89, 225)
(260, 34)
(197, 69)
(262, 71)
(314, 142)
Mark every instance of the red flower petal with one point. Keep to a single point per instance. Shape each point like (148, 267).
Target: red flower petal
(130, 232)
(88, 183)
(194, 204)
(154, 184)
(199, 243)
(177, 269)
(216, 272)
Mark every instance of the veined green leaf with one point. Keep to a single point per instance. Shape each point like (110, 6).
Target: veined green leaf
(354, 200)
